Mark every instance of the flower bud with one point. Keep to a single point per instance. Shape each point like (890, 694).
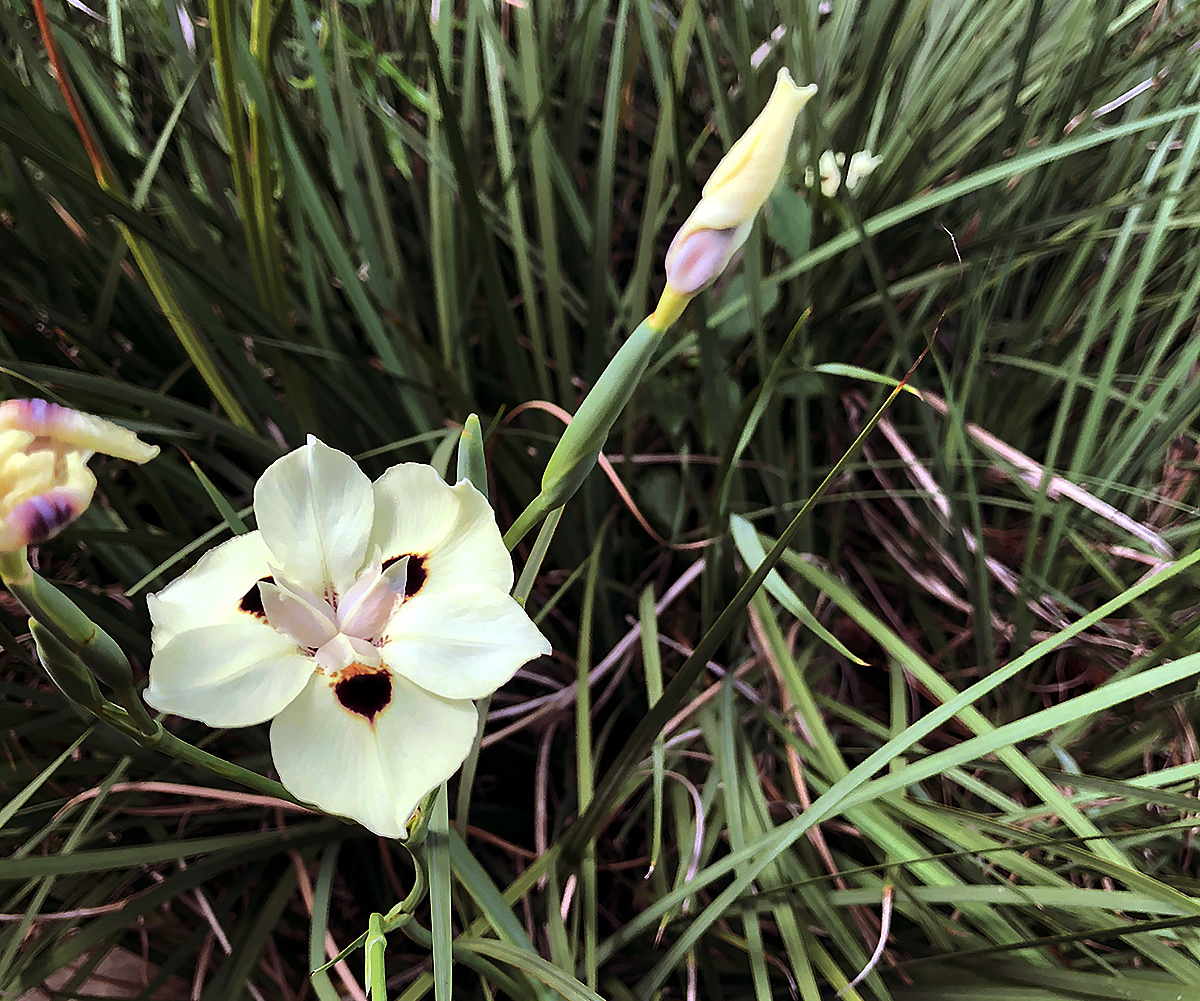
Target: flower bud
(65, 669)
(579, 447)
(721, 221)
(44, 480)
(472, 461)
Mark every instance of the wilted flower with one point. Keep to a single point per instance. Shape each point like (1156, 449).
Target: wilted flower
(361, 617)
(45, 483)
(722, 219)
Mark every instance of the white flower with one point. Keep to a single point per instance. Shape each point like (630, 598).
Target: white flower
(45, 483)
(361, 617)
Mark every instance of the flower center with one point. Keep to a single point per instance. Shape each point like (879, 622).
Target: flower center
(342, 632)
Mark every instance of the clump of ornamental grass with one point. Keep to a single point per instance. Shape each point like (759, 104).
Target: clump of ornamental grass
(864, 563)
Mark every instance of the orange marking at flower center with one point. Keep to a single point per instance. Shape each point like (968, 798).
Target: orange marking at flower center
(356, 670)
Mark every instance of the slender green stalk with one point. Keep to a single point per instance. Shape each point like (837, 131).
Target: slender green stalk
(223, 26)
(375, 974)
(537, 555)
(585, 756)
(575, 455)
(262, 174)
(437, 854)
(181, 750)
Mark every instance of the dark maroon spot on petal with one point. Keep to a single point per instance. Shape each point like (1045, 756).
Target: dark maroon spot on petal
(414, 579)
(44, 517)
(252, 600)
(365, 694)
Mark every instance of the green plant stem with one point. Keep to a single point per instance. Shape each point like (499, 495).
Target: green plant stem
(538, 509)
(540, 547)
(192, 755)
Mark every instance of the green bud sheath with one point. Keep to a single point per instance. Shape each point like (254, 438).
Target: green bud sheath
(472, 465)
(65, 669)
(418, 823)
(578, 448)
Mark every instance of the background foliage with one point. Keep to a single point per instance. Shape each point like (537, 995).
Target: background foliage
(352, 220)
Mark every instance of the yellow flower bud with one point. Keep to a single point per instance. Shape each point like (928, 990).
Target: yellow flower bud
(45, 483)
(739, 187)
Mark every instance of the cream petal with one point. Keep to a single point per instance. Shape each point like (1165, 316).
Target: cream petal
(735, 192)
(453, 528)
(77, 430)
(461, 645)
(341, 651)
(211, 593)
(743, 179)
(373, 772)
(862, 166)
(236, 674)
(314, 508)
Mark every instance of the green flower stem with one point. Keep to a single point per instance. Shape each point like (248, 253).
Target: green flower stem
(73, 650)
(76, 682)
(188, 753)
(577, 450)
(375, 976)
(62, 619)
(398, 917)
(534, 564)
(538, 508)
(466, 775)
(580, 444)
